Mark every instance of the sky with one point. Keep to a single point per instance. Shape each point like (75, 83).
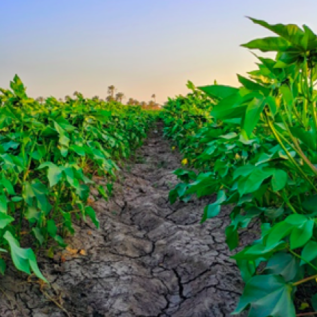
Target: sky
(142, 47)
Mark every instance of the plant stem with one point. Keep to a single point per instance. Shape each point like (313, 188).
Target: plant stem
(300, 257)
(287, 152)
(307, 279)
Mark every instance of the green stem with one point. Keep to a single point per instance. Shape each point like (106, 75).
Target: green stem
(300, 257)
(288, 202)
(287, 152)
(307, 279)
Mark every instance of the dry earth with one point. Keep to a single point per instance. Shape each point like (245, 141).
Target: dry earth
(149, 258)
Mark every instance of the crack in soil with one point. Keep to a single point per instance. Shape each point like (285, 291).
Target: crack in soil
(147, 259)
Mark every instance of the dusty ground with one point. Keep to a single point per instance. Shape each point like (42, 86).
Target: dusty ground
(148, 258)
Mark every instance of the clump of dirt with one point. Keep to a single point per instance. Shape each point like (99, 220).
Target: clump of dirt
(148, 258)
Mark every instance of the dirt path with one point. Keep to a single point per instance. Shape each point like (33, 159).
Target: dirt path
(148, 258)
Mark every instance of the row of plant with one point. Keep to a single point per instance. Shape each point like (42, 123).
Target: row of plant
(50, 154)
(256, 147)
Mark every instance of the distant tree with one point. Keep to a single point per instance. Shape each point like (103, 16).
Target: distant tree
(111, 90)
(119, 97)
(143, 104)
(110, 98)
(40, 99)
(130, 102)
(154, 97)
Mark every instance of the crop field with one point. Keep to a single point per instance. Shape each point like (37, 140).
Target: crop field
(205, 207)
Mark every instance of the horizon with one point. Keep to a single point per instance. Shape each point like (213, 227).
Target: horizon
(141, 48)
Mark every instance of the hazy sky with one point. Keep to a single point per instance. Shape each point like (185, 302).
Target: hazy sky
(140, 46)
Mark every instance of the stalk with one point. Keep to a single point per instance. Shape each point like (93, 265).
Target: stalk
(287, 152)
(307, 279)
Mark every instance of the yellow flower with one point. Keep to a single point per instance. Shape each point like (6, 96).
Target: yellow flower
(173, 148)
(184, 161)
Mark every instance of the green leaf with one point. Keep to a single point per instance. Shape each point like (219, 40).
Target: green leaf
(54, 173)
(38, 235)
(8, 186)
(91, 213)
(314, 302)
(302, 234)
(247, 269)
(38, 191)
(5, 220)
(309, 252)
(279, 179)
(23, 259)
(229, 107)
(213, 210)
(218, 91)
(277, 233)
(267, 295)
(290, 32)
(51, 228)
(284, 264)
(3, 204)
(252, 115)
(18, 87)
(2, 266)
(307, 137)
(232, 237)
(310, 203)
(80, 150)
(251, 85)
(268, 44)
(253, 182)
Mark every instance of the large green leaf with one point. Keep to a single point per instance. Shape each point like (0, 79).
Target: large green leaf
(307, 137)
(268, 44)
(283, 264)
(38, 191)
(54, 173)
(309, 252)
(23, 259)
(219, 91)
(279, 179)
(290, 32)
(213, 209)
(267, 295)
(5, 220)
(252, 115)
(92, 215)
(251, 85)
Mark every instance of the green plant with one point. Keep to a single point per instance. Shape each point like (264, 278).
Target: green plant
(51, 154)
(257, 150)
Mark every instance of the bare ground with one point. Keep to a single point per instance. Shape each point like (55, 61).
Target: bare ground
(149, 258)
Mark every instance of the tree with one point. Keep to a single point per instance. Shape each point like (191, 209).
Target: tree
(130, 102)
(119, 97)
(111, 90)
(154, 97)
(143, 104)
(40, 99)
(110, 98)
